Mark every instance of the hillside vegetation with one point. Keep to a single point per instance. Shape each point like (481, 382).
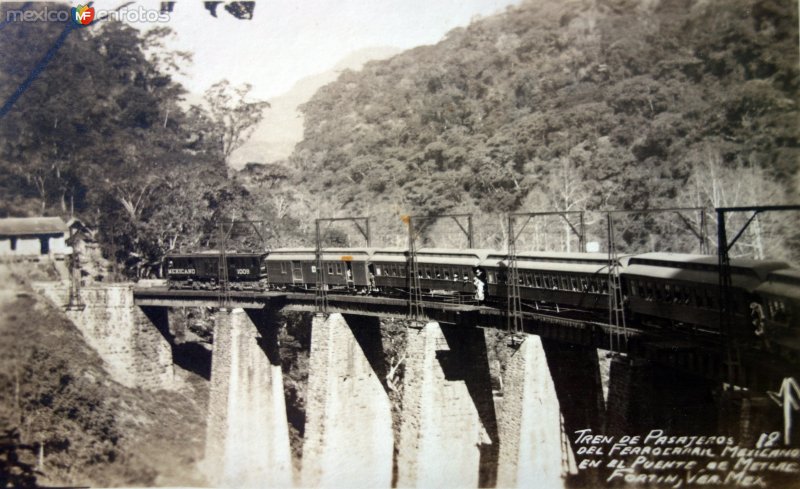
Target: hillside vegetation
(552, 105)
(57, 395)
(565, 106)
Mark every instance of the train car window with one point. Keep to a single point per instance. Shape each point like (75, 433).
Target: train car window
(584, 285)
(330, 268)
(437, 273)
(691, 296)
(427, 272)
(378, 270)
(680, 295)
(574, 284)
(634, 289)
(668, 295)
(546, 281)
(283, 267)
(447, 274)
(780, 311)
(537, 279)
(338, 268)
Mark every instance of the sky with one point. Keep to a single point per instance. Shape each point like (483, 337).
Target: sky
(288, 40)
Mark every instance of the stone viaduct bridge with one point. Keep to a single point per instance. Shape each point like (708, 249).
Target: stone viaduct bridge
(455, 430)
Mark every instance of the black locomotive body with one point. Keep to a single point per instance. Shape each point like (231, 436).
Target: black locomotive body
(202, 271)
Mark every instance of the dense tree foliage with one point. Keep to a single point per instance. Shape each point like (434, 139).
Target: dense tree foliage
(549, 106)
(101, 133)
(563, 106)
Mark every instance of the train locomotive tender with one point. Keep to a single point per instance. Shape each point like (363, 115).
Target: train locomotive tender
(660, 289)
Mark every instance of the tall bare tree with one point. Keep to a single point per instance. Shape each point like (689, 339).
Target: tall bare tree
(233, 117)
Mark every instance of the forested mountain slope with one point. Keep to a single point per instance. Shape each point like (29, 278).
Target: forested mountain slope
(563, 105)
(568, 105)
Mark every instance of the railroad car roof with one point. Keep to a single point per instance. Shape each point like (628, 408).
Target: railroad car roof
(309, 254)
(466, 260)
(788, 275)
(309, 249)
(545, 260)
(782, 283)
(708, 263)
(748, 280)
(552, 267)
(209, 253)
(563, 256)
(478, 252)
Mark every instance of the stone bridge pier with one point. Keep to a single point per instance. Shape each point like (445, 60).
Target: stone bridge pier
(133, 341)
(535, 450)
(452, 433)
(348, 436)
(449, 430)
(247, 435)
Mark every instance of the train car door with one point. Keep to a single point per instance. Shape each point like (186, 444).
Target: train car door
(297, 272)
(348, 273)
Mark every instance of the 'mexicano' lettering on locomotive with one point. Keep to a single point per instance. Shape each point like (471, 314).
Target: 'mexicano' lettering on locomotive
(182, 271)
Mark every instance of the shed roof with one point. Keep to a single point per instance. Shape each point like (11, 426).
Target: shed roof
(31, 226)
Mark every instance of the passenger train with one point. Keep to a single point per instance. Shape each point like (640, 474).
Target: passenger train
(659, 289)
